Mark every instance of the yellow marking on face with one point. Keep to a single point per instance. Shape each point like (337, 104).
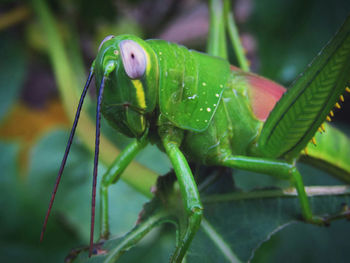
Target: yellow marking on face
(140, 94)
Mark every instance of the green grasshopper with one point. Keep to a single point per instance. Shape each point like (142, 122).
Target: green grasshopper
(198, 108)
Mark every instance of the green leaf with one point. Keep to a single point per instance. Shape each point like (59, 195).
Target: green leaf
(307, 243)
(8, 164)
(20, 219)
(235, 224)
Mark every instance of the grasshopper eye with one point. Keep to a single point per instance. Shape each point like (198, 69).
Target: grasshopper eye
(104, 40)
(134, 58)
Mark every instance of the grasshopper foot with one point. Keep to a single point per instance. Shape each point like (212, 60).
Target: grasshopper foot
(344, 213)
(319, 220)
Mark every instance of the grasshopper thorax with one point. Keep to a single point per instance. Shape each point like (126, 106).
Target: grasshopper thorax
(130, 69)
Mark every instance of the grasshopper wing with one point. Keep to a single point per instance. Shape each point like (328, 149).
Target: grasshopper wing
(304, 107)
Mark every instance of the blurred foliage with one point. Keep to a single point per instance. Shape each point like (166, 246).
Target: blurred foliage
(13, 71)
(290, 33)
(281, 38)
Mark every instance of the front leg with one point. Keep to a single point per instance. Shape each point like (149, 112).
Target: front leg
(189, 193)
(112, 175)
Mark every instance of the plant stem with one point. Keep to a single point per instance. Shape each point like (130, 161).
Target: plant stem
(216, 39)
(275, 193)
(234, 36)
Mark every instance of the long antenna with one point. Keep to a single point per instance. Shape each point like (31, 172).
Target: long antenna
(97, 147)
(58, 178)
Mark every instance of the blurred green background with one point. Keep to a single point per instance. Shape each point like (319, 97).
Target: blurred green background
(281, 38)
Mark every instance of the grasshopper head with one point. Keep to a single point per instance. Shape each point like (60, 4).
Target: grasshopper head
(130, 68)
(126, 72)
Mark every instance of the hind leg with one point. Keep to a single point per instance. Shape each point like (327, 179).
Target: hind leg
(279, 169)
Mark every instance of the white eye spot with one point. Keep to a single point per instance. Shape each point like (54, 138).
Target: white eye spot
(104, 40)
(201, 109)
(204, 84)
(208, 109)
(217, 95)
(134, 58)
